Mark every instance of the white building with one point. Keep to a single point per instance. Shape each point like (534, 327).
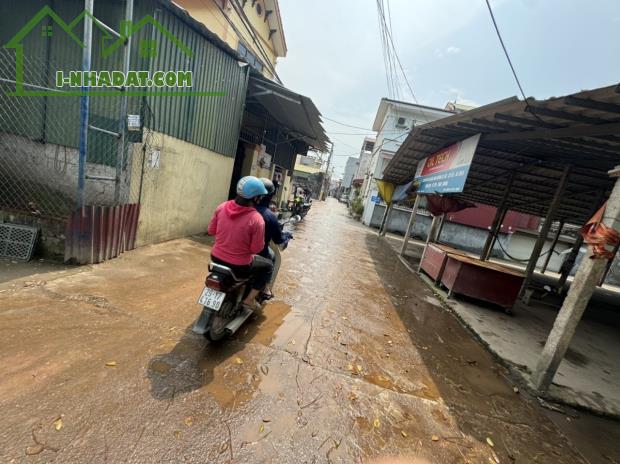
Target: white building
(365, 153)
(394, 120)
(350, 169)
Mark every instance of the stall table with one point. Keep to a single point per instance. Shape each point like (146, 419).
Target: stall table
(464, 274)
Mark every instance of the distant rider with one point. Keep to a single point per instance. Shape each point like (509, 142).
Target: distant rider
(239, 232)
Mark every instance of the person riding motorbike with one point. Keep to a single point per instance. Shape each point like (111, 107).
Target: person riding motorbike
(239, 231)
(273, 230)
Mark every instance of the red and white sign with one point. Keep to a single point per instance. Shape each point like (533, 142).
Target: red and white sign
(446, 171)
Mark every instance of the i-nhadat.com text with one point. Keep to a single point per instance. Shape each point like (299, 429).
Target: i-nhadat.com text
(158, 79)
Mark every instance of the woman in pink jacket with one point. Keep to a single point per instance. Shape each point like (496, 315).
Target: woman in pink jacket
(239, 232)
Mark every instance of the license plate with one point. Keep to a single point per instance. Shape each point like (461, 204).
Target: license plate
(211, 298)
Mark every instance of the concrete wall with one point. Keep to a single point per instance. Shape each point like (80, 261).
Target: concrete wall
(180, 195)
(457, 235)
(522, 244)
(54, 168)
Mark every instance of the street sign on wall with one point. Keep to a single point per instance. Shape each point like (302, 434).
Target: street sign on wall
(446, 170)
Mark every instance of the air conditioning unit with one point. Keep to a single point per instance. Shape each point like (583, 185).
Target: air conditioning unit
(401, 123)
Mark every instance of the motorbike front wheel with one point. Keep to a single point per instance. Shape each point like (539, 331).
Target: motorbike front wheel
(217, 328)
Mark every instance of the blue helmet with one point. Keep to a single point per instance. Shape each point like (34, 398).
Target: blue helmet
(250, 187)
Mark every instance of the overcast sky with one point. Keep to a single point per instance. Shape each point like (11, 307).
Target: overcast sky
(449, 50)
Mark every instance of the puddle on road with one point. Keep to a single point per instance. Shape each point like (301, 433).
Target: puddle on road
(265, 327)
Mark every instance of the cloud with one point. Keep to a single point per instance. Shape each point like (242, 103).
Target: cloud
(451, 50)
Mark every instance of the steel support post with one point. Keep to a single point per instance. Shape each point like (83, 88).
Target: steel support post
(588, 275)
(122, 123)
(555, 242)
(609, 264)
(412, 219)
(432, 231)
(496, 226)
(544, 231)
(569, 261)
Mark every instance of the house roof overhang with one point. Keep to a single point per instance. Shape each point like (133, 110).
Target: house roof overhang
(295, 115)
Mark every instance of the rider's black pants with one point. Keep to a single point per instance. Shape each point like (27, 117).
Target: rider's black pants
(259, 270)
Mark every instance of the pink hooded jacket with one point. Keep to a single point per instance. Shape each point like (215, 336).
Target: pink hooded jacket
(239, 233)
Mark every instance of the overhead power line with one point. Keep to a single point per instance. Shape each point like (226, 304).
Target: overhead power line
(400, 65)
(501, 41)
(512, 68)
(345, 124)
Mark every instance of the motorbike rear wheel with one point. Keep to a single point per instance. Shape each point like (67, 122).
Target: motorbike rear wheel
(219, 319)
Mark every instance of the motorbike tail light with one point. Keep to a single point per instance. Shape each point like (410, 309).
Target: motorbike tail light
(215, 282)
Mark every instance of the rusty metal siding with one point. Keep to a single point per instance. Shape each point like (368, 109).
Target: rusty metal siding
(98, 233)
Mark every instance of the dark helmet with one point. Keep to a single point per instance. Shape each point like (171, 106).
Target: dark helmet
(268, 185)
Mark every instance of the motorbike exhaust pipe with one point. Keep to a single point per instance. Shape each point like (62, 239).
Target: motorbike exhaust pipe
(234, 325)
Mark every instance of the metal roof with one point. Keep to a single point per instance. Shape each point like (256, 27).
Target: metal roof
(537, 139)
(292, 110)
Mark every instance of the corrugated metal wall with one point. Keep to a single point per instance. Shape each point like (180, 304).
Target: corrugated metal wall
(211, 122)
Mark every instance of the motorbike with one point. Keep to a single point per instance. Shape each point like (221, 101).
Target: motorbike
(301, 208)
(222, 312)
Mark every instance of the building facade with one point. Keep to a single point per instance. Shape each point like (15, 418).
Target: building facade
(393, 122)
(251, 27)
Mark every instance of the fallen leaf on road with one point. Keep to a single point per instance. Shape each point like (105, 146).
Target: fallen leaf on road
(177, 434)
(264, 370)
(376, 423)
(58, 424)
(490, 442)
(261, 429)
(223, 447)
(111, 364)
(189, 420)
(352, 396)
(350, 367)
(345, 318)
(404, 434)
(34, 449)
(238, 361)
(435, 438)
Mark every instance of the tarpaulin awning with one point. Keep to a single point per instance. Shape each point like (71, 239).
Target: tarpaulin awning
(386, 190)
(401, 192)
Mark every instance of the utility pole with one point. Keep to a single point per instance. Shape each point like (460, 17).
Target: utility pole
(84, 102)
(328, 176)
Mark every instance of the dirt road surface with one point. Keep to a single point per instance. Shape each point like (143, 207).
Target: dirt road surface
(355, 360)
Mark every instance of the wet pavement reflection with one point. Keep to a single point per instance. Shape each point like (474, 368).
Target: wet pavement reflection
(354, 360)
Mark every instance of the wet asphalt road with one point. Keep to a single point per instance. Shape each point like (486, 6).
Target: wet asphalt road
(353, 361)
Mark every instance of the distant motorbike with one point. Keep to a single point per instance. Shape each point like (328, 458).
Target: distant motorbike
(301, 207)
(222, 312)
